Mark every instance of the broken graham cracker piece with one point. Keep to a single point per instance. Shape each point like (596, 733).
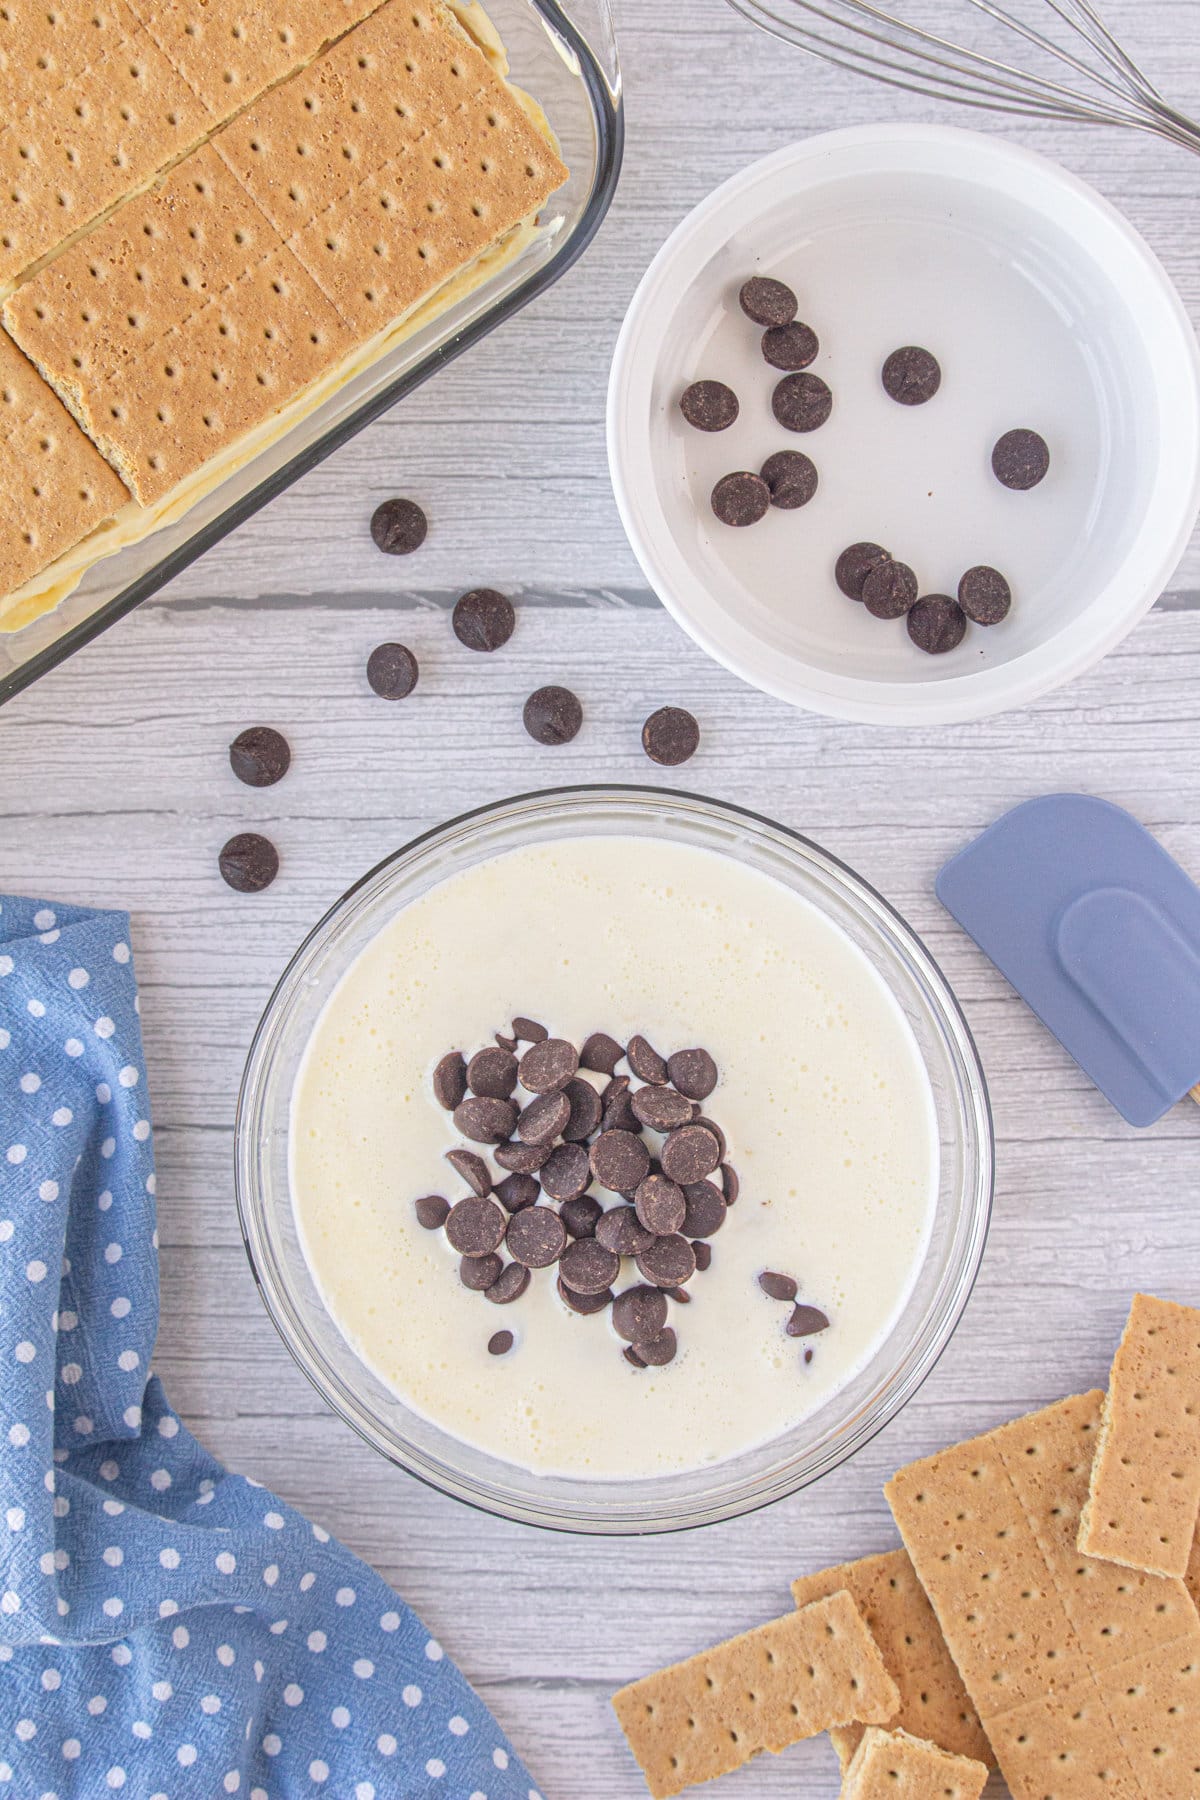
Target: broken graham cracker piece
(1086, 1676)
(55, 486)
(1144, 1494)
(893, 1765)
(769, 1688)
(934, 1704)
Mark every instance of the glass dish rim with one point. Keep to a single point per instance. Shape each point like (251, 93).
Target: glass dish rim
(877, 1414)
(608, 112)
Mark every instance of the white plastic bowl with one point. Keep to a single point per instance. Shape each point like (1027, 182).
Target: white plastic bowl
(1045, 309)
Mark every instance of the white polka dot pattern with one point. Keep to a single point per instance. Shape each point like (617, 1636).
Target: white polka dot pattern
(136, 1606)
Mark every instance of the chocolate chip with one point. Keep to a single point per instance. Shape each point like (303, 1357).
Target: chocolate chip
(485, 1121)
(584, 1303)
(619, 1114)
(767, 301)
(614, 1088)
(587, 1267)
(476, 1227)
(506, 1043)
(690, 1154)
(483, 619)
(601, 1053)
(645, 1061)
(1020, 459)
(855, 564)
(806, 1321)
(668, 1261)
(509, 1285)
(670, 736)
(432, 1211)
(937, 624)
(553, 715)
(392, 671)
(984, 595)
(566, 1173)
(661, 1108)
(619, 1161)
(580, 1216)
(711, 1125)
(709, 405)
(802, 402)
(398, 527)
(542, 1121)
(660, 1205)
(777, 1287)
(658, 1351)
(517, 1191)
(548, 1066)
(679, 1294)
(792, 478)
(741, 498)
(808, 1355)
(529, 1031)
(889, 590)
(693, 1072)
(631, 1356)
(523, 1159)
(500, 1343)
(492, 1073)
(911, 375)
(536, 1237)
(639, 1313)
(450, 1080)
(790, 346)
(705, 1209)
(260, 756)
(479, 1272)
(730, 1184)
(585, 1111)
(473, 1170)
(621, 1231)
(249, 862)
(703, 1256)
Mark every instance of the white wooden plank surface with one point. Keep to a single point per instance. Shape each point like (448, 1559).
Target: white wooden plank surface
(114, 789)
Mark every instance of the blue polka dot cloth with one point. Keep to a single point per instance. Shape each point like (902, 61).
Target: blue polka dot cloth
(167, 1629)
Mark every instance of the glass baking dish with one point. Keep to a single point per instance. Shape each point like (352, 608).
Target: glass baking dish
(565, 56)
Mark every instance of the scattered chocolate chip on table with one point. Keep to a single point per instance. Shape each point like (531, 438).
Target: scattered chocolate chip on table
(741, 498)
(249, 862)
(399, 527)
(709, 405)
(911, 375)
(984, 595)
(483, 619)
(392, 671)
(855, 564)
(937, 624)
(791, 346)
(889, 589)
(1020, 459)
(553, 715)
(670, 736)
(768, 302)
(792, 478)
(802, 402)
(260, 756)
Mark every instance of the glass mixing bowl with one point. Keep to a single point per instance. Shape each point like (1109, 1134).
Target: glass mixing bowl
(679, 1500)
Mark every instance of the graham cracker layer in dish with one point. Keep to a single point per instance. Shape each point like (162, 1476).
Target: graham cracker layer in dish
(55, 486)
(769, 1688)
(934, 1704)
(892, 1765)
(195, 285)
(1086, 1676)
(1144, 1494)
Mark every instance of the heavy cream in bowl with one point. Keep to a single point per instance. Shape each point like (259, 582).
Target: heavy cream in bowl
(824, 1097)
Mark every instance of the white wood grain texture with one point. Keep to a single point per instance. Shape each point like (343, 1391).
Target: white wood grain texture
(115, 789)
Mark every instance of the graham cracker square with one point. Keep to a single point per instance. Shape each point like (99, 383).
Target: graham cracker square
(1145, 1478)
(893, 1765)
(769, 1688)
(934, 1704)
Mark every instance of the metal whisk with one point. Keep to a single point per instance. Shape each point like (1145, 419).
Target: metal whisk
(1109, 87)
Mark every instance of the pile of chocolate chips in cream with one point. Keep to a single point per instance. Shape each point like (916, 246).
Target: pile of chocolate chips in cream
(555, 1136)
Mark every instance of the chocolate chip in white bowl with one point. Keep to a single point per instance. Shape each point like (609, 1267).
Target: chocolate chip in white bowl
(586, 1110)
(450, 1080)
(709, 406)
(1020, 459)
(690, 1154)
(581, 1216)
(741, 498)
(584, 1303)
(528, 1031)
(639, 1313)
(705, 1210)
(432, 1211)
(792, 346)
(500, 1343)
(889, 590)
(473, 1170)
(660, 1205)
(645, 1061)
(792, 478)
(566, 1172)
(475, 1227)
(984, 595)
(509, 1285)
(657, 1352)
(667, 1262)
(802, 402)
(517, 1191)
(536, 1236)
(703, 1251)
(601, 1053)
(492, 1073)
(693, 1073)
(540, 1123)
(523, 1159)
(806, 1321)
(776, 1286)
(620, 1230)
(937, 624)
(619, 1161)
(485, 1121)
(549, 1066)
(767, 301)
(479, 1272)
(911, 375)
(660, 1108)
(855, 564)
(587, 1267)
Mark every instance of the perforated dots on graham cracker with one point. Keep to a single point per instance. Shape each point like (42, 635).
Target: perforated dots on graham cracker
(934, 1704)
(767, 1689)
(1145, 1481)
(55, 487)
(894, 1765)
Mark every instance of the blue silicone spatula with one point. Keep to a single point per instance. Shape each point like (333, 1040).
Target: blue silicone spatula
(1098, 929)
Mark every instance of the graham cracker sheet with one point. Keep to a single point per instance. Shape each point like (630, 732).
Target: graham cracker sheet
(1144, 1495)
(787, 1680)
(894, 1765)
(55, 486)
(934, 1704)
(1082, 1672)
